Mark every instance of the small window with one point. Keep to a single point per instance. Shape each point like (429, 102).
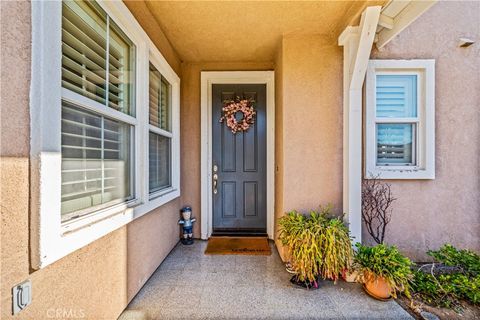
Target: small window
(400, 119)
(160, 173)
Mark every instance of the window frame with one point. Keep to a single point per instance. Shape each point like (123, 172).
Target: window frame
(159, 197)
(50, 238)
(423, 146)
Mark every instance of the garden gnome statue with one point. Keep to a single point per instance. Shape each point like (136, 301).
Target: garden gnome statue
(187, 225)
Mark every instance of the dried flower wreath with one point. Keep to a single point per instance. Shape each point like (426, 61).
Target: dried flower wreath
(230, 110)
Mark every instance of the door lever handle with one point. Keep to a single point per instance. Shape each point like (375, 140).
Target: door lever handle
(215, 180)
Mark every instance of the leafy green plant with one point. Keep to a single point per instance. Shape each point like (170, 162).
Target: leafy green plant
(448, 289)
(317, 244)
(468, 260)
(387, 262)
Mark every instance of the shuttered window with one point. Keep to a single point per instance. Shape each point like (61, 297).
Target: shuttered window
(95, 161)
(400, 119)
(396, 119)
(97, 57)
(98, 62)
(90, 131)
(160, 173)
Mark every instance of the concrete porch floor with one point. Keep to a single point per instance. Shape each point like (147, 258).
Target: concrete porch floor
(191, 285)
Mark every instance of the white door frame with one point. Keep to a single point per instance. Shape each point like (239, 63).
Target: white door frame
(208, 78)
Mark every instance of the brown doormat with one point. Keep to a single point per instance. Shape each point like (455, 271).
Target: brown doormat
(238, 245)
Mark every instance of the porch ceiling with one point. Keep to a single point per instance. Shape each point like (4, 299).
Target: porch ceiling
(247, 30)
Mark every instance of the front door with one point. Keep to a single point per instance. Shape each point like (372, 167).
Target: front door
(239, 162)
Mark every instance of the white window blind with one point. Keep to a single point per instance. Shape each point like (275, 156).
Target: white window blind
(159, 162)
(95, 161)
(88, 65)
(395, 143)
(160, 171)
(159, 100)
(396, 119)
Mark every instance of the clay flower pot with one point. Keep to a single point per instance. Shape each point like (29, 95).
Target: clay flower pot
(378, 288)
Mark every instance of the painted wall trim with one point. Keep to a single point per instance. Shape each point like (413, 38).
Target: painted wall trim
(357, 45)
(208, 78)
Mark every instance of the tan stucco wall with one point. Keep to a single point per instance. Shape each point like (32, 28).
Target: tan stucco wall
(312, 122)
(308, 125)
(98, 280)
(431, 212)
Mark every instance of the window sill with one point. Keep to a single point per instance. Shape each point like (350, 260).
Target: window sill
(157, 200)
(407, 173)
(98, 215)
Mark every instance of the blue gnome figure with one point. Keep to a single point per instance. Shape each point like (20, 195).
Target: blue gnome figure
(187, 225)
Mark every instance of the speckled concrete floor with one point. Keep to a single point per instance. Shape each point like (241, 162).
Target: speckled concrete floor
(191, 285)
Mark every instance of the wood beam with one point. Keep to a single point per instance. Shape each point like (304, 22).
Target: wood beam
(408, 15)
(357, 44)
(368, 27)
(386, 21)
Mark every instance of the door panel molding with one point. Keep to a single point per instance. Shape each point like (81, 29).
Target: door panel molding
(208, 78)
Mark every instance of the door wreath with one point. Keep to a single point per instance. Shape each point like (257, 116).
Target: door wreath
(238, 114)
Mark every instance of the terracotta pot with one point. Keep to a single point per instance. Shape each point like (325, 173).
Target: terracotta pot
(378, 288)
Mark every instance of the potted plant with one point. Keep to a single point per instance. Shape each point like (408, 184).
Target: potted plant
(384, 270)
(317, 246)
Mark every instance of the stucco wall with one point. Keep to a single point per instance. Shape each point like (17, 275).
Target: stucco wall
(429, 213)
(309, 124)
(97, 281)
(312, 122)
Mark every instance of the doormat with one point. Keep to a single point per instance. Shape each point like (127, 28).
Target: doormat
(253, 246)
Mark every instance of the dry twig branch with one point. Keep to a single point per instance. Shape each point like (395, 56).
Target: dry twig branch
(377, 200)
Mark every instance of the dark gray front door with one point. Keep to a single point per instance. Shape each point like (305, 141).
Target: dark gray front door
(240, 202)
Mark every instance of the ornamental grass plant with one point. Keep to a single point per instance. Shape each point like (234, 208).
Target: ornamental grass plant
(318, 245)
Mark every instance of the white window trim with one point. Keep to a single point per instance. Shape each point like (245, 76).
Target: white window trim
(158, 198)
(50, 238)
(425, 131)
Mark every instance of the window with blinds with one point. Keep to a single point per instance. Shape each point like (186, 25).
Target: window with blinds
(160, 171)
(159, 100)
(97, 57)
(159, 162)
(95, 161)
(396, 119)
(98, 62)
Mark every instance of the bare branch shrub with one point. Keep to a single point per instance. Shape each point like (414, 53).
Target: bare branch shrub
(377, 199)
